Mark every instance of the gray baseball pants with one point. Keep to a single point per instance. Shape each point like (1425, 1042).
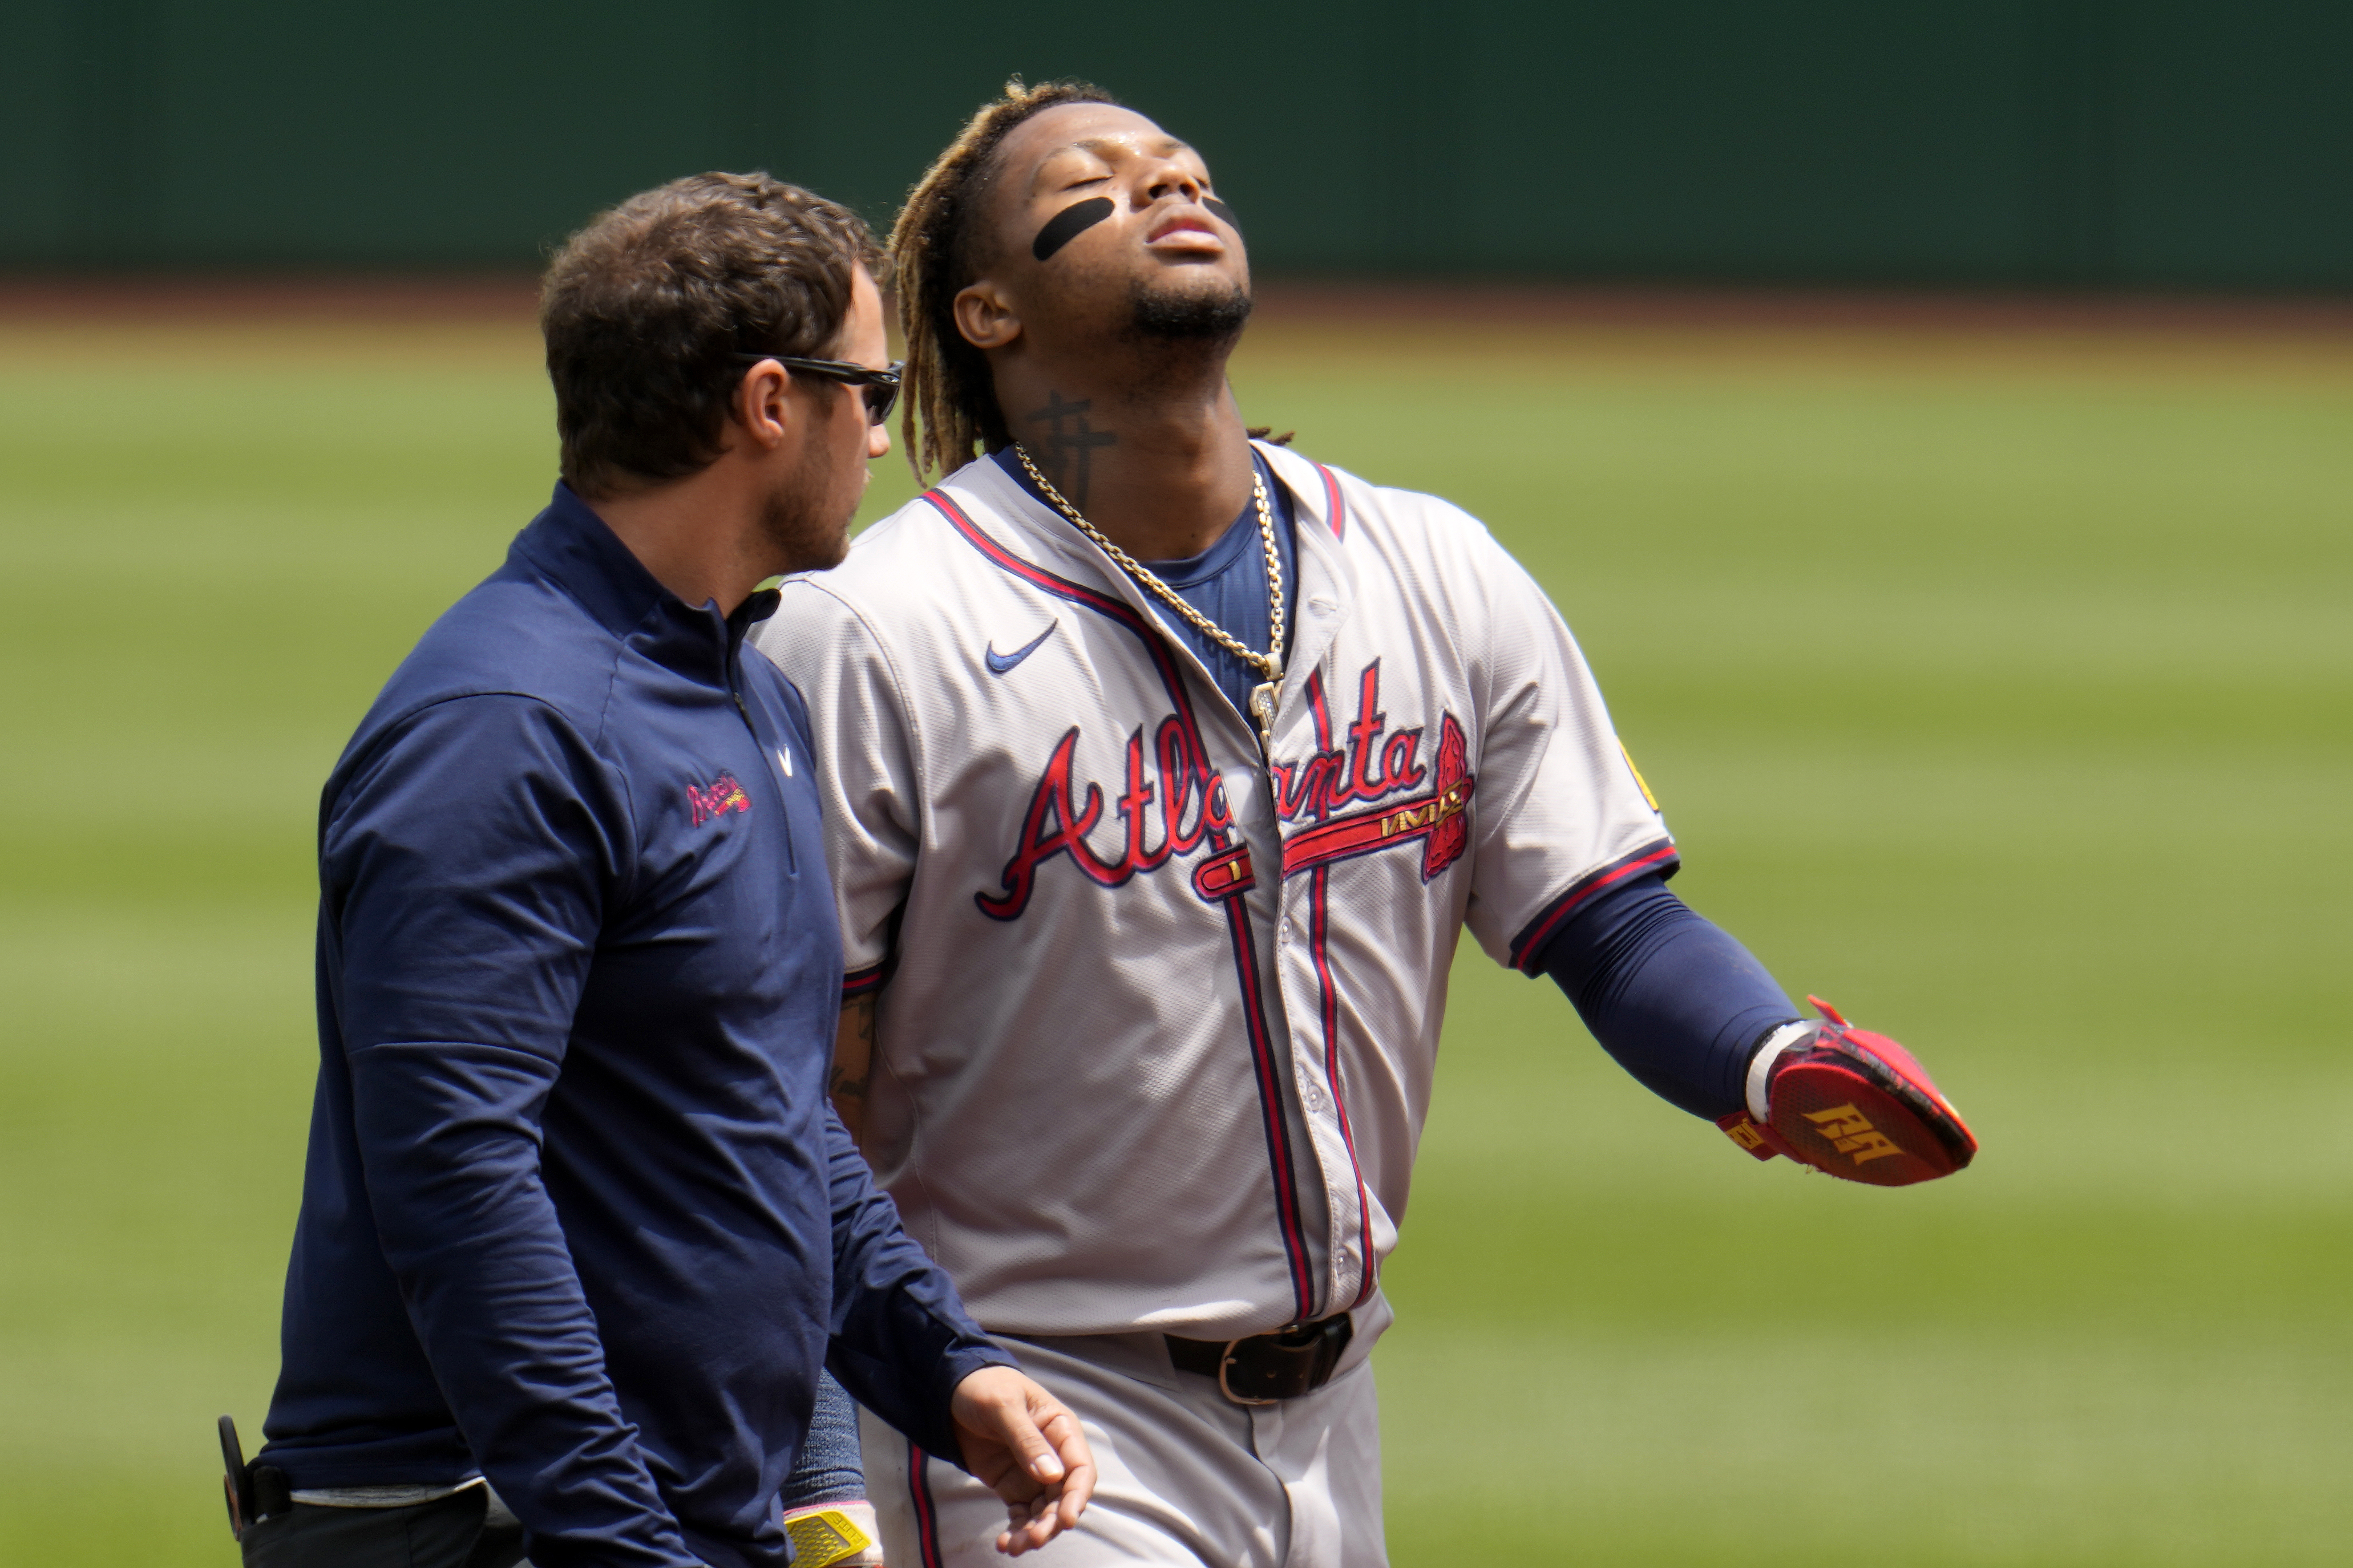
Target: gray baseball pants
(1188, 1480)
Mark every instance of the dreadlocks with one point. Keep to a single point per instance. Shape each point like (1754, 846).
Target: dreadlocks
(933, 252)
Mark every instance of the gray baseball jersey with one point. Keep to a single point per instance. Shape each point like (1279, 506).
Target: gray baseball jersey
(1157, 1014)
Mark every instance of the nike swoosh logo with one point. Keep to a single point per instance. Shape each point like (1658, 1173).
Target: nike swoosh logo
(998, 663)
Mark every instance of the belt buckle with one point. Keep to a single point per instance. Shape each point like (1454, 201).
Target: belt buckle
(1225, 1365)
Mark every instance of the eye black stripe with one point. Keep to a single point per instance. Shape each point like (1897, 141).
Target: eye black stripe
(1223, 212)
(1068, 223)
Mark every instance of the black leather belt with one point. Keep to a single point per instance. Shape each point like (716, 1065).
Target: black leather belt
(1265, 1368)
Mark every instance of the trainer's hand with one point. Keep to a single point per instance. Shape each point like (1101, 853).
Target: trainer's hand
(1019, 1440)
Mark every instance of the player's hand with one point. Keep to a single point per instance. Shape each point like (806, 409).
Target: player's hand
(1851, 1104)
(1019, 1440)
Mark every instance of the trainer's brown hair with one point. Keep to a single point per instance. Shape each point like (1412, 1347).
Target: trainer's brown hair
(644, 310)
(937, 251)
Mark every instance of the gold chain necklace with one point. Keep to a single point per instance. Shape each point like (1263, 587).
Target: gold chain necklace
(1269, 665)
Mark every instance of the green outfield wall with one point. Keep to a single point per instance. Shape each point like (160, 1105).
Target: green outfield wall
(2162, 143)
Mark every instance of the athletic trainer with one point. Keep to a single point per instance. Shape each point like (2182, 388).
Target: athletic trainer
(1163, 769)
(578, 1226)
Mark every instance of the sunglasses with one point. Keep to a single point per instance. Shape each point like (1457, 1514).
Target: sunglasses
(880, 386)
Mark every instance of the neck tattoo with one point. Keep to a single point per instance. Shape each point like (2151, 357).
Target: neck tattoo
(1072, 440)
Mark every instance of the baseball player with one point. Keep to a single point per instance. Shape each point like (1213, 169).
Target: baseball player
(1163, 769)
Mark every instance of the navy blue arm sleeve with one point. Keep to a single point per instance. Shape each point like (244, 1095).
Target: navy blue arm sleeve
(901, 1340)
(1679, 1003)
(469, 866)
(829, 1468)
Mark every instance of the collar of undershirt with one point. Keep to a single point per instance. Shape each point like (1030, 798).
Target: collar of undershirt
(1194, 570)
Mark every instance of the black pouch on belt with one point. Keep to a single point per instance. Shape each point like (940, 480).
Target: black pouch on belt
(1265, 1368)
(254, 1492)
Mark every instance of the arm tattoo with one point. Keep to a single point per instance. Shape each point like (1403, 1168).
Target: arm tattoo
(853, 1050)
(1065, 451)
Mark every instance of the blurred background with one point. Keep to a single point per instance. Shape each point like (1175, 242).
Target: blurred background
(1936, 420)
(2161, 143)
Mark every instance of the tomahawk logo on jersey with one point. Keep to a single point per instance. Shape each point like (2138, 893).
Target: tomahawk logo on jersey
(1072, 862)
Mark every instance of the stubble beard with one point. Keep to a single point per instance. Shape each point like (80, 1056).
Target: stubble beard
(1186, 319)
(806, 521)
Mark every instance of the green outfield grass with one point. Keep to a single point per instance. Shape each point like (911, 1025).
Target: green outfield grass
(2002, 693)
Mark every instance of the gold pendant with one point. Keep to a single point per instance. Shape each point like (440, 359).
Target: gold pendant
(1261, 706)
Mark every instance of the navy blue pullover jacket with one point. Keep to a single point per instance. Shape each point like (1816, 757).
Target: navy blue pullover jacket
(577, 1215)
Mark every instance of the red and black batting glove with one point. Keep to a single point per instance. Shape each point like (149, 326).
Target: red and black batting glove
(1851, 1103)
